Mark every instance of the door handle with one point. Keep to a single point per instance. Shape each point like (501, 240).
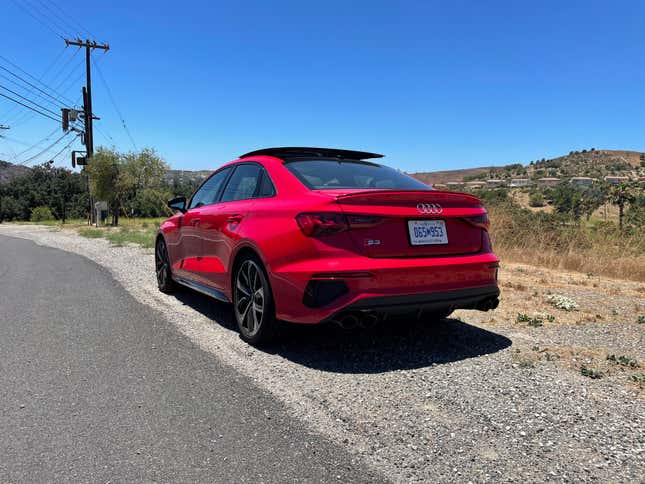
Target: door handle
(235, 219)
(195, 221)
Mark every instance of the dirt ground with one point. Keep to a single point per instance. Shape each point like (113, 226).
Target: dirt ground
(529, 392)
(605, 323)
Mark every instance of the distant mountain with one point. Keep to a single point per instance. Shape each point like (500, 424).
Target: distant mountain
(592, 163)
(434, 177)
(9, 171)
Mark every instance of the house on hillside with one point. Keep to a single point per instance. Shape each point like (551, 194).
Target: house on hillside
(520, 182)
(439, 186)
(615, 180)
(641, 179)
(495, 183)
(455, 185)
(548, 182)
(475, 185)
(581, 181)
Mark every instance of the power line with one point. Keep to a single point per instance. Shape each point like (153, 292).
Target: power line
(29, 83)
(47, 16)
(6, 115)
(70, 17)
(35, 145)
(40, 21)
(29, 100)
(28, 90)
(39, 96)
(64, 16)
(106, 135)
(53, 17)
(14, 140)
(56, 76)
(24, 117)
(29, 107)
(65, 147)
(116, 108)
(45, 150)
(70, 73)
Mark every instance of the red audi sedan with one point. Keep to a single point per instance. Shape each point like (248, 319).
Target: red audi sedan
(308, 235)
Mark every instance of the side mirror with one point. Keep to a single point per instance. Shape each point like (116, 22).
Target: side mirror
(178, 203)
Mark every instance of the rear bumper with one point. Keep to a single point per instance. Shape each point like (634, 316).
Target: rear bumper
(386, 285)
(470, 298)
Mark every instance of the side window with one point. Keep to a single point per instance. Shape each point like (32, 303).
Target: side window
(244, 183)
(266, 186)
(207, 193)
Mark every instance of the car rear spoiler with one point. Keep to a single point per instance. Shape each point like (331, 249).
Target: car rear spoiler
(299, 152)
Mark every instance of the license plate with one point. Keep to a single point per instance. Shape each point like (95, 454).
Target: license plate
(427, 232)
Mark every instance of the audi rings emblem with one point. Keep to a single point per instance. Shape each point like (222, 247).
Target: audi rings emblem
(429, 208)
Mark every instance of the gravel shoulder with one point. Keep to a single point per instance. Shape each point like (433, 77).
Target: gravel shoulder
(478, 397)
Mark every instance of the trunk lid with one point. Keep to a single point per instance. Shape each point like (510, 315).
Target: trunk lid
(388, 223)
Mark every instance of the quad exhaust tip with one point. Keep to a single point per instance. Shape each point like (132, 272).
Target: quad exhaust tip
(488, 304)
(369, 319)
(355, 320)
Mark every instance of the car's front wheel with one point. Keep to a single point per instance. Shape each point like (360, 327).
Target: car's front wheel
(253, 302)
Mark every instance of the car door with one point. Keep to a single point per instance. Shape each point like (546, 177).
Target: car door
(221, 225)
(190, 263)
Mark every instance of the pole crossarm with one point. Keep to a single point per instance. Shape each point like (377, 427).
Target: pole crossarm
(92, 44)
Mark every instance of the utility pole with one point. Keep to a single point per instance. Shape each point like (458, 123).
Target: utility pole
(87, 100)
(87, 91)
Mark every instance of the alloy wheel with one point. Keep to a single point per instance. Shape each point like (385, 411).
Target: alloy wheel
(250, 301)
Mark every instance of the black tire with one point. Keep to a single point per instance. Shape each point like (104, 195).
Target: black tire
(162, 268)
(253, 303)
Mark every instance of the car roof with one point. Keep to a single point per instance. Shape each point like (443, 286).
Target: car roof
(300, 152)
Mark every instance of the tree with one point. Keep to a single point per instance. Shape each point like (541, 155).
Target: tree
(149, 193)
(60, 189)
(128, 181)
(106, 182)
(567, 199)
(635, 215)
(41, 214)
(10, 209)
(621, 194)
(592, 198)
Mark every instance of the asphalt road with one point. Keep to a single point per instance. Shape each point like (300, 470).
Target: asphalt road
(96, 387)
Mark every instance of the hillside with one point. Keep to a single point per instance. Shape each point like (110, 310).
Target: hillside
(9, 171)
(435, 177)
(593, 163)
(184, 176)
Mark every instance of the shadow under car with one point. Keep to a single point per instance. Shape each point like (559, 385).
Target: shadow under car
(394, 344)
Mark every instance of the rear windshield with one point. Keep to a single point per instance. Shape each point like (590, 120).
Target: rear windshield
(330, 174)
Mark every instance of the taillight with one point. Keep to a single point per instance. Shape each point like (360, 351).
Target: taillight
(315, 224)
(480, 221)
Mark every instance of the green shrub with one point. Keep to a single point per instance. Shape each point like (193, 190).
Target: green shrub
(41, 214)
(536, 199)
(591, 372)
(623, 360)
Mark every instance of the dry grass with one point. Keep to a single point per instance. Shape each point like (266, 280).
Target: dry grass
(544, 240)
(141, 231)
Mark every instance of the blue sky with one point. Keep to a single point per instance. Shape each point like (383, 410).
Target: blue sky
(433, 85)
